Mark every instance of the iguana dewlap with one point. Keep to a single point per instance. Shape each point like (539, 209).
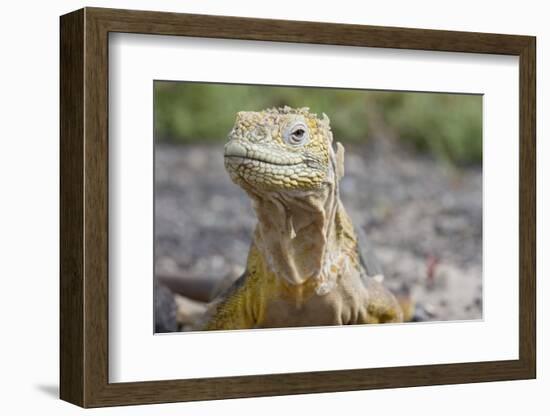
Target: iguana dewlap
(303, 268)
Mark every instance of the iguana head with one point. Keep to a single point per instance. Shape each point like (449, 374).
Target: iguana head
(282, 149)
(283, 158)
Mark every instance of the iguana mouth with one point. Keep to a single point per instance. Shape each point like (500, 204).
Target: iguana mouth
(255, 153)
(265, 165)
(261, 160)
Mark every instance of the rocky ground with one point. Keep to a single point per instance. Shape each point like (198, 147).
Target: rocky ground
(422, 219)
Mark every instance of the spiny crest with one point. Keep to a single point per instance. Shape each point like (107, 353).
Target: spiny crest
(290, 110)
(303, 111)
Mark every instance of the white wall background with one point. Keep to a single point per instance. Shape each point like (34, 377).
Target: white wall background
(29, 158)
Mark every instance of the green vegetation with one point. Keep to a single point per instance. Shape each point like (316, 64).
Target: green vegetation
(447, 126)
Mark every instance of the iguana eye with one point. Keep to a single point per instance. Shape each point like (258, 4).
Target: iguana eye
(297, 135)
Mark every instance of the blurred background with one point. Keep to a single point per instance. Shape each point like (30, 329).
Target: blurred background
(413, 187)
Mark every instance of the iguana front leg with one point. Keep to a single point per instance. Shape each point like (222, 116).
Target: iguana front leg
(233, 310)
(382, 305)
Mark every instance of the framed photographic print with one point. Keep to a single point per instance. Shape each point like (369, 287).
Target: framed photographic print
(255, 207)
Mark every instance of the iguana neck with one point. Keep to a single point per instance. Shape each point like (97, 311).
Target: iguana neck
(300, 235)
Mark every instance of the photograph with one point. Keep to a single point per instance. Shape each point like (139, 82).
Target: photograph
(291, 206)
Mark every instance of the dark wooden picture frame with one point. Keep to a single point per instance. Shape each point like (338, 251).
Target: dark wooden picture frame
(84, 207)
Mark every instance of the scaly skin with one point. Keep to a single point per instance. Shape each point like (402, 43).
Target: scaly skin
(303, 268)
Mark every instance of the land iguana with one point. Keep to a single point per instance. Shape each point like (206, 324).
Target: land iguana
(303, 267)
